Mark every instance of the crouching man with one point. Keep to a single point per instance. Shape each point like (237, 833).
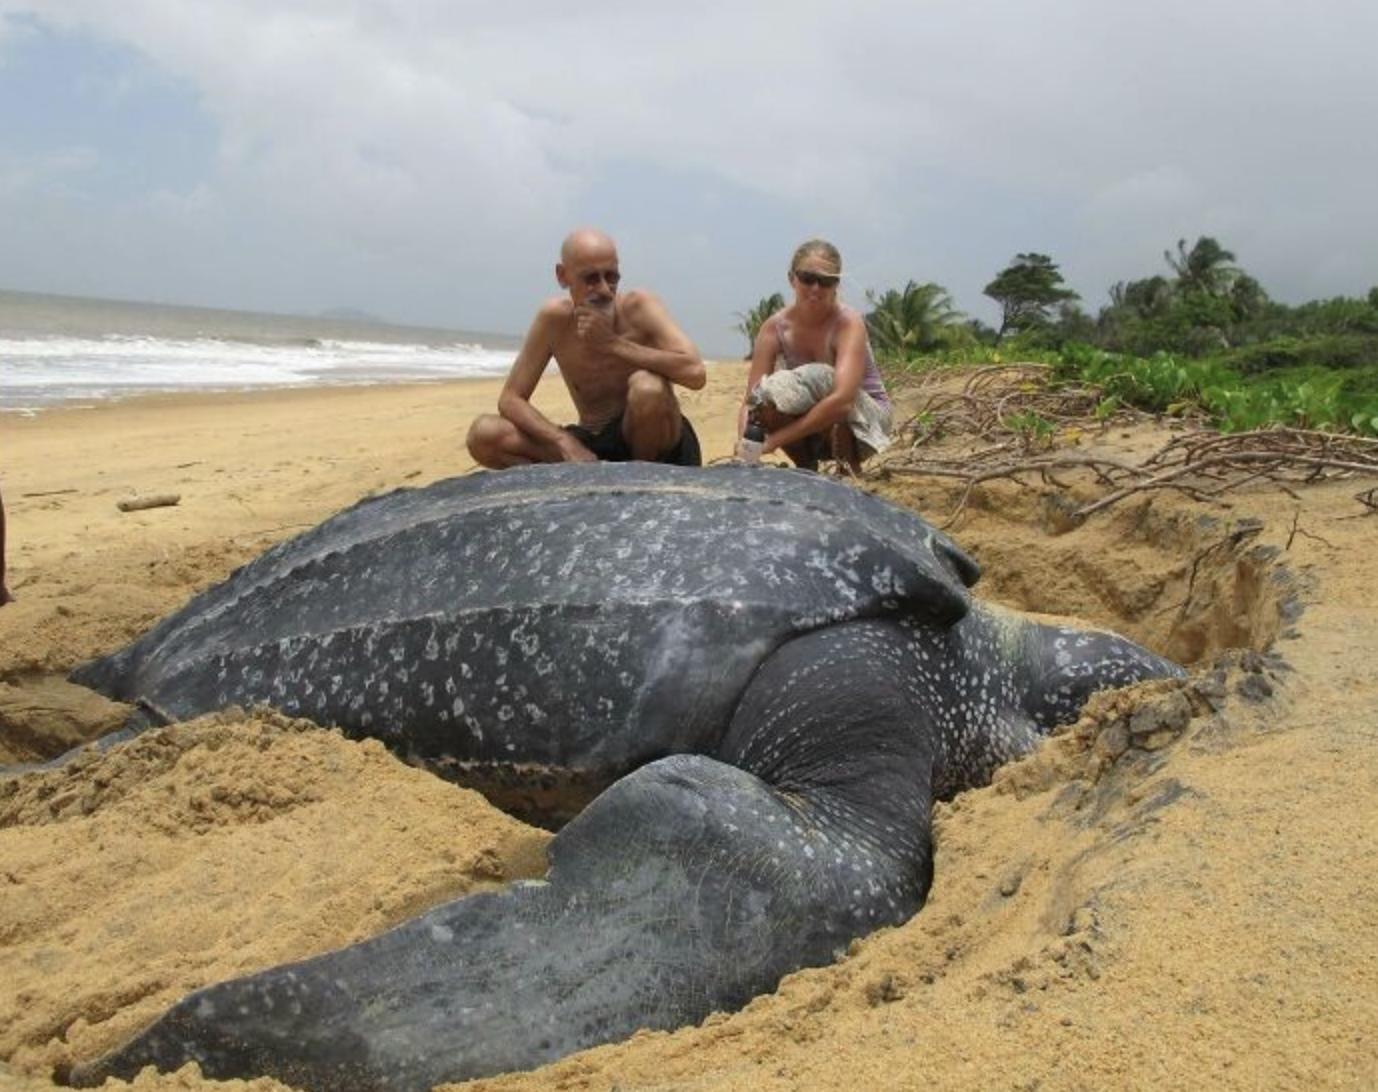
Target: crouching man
(620, 356)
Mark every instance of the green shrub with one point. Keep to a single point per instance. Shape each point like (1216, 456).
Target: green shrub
(1312, 397)
(1332, 351)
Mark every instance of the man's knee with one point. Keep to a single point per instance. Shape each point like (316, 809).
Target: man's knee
(648, 393)
(651, 408)
(651, 421)
(485, 437)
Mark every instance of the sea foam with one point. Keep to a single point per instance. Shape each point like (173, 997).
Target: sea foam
(39, 371)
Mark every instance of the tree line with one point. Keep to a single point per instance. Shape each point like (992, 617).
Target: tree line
(1202, 315)
(1203, 305)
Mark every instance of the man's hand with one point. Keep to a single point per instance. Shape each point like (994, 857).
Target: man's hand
(593, 326)
(572, 451)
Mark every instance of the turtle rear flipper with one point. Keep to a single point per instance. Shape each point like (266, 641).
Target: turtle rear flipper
(688, 887)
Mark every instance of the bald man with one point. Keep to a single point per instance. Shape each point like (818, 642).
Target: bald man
(620, 356)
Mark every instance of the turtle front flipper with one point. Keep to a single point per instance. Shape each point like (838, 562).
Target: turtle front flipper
(688, 887)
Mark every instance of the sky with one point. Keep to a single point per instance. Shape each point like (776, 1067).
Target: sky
(422, 159)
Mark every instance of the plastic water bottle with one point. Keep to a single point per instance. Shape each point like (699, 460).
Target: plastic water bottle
(753, 440)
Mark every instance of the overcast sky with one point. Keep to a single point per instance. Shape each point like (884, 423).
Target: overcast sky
(421, 159)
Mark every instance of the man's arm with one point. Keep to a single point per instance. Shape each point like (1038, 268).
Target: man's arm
(848, 372)
(514, 403)
(663, 347)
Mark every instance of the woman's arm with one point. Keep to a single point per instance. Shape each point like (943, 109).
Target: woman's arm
(764, 352)
(849, 369)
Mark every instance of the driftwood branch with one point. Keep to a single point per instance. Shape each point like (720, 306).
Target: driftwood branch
(156, 500)
(1020, 421)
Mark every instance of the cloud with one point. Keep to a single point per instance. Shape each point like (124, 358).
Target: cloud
(324, 113)
(57, 168)
(403, 149)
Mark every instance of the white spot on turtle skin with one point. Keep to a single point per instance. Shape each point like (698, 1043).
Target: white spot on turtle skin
(442, 934)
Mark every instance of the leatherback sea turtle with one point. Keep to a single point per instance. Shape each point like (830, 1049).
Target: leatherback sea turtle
(783, 671)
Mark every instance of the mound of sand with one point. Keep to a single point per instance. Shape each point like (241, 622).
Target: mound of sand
(210, 850)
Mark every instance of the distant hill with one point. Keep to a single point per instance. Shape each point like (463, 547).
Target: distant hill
(350, 314)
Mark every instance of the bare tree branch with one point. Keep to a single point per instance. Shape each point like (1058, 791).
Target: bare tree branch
(1017, 416)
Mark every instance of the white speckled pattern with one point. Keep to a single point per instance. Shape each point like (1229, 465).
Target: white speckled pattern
(560, 615)
(807, 656)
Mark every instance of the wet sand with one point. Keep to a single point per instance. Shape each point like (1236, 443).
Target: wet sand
(1182, 891)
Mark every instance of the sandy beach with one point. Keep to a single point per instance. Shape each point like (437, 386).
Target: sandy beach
(1179, 892)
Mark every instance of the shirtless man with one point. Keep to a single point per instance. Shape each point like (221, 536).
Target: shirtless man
(618, 355)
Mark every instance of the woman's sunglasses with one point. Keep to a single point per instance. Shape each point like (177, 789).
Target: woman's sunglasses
(816, 280)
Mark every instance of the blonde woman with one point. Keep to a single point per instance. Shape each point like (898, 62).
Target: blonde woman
(814, 385)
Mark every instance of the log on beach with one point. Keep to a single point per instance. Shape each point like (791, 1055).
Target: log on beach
(157, 500)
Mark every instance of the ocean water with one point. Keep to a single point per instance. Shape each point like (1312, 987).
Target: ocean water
(64, 350)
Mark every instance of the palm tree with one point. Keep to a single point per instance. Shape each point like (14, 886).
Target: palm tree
(1148, 298)
(751, 322)
(1248, 297)
(1206, 266)
(918, 318)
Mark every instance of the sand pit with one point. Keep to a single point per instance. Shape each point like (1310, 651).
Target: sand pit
(1177, 892)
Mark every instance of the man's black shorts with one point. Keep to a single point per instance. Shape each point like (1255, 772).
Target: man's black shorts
(611, 446)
